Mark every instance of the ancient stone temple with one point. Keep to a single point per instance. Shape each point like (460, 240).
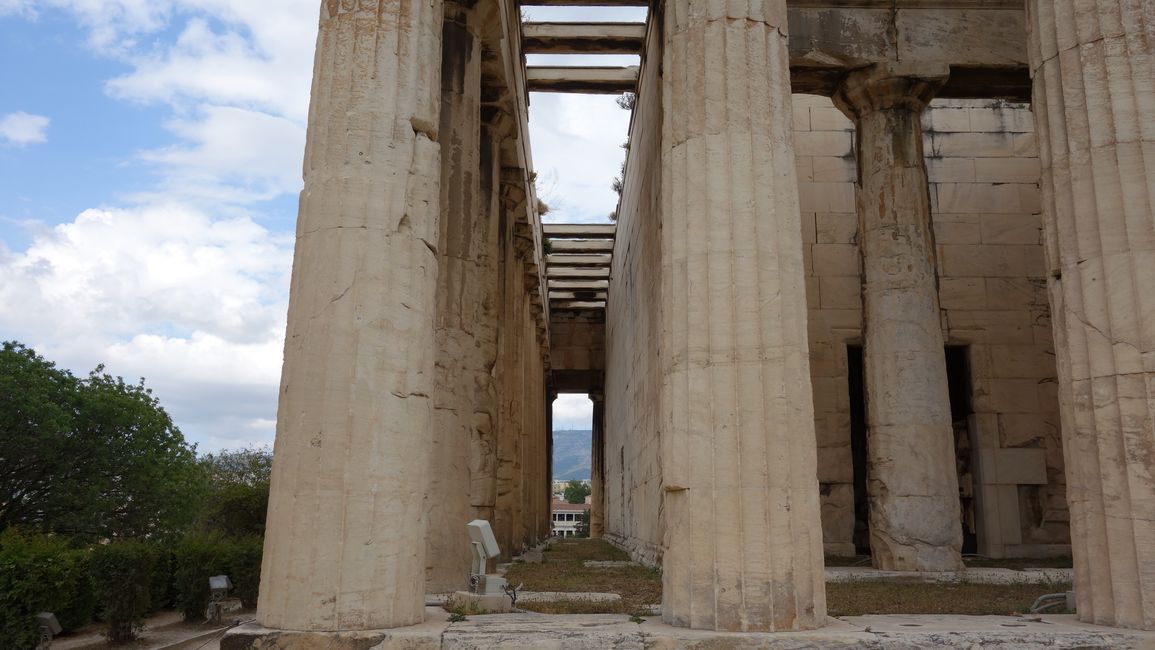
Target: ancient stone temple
(882, 281)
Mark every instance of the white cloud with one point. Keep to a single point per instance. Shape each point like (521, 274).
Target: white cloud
(577, 153)
(194, 304)
(22, 128)
(572, 411)
(230, 155)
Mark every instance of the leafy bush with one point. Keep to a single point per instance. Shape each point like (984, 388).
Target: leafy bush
(245, 568)
(197, 557)
(122, 571)
(41, 573)
(201, 556)
(162, 591)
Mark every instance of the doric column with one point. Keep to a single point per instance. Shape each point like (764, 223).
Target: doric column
(598, 466)
(466, 338)
(1093, 63)
(345, 540)
(743, 538)
(911, 480)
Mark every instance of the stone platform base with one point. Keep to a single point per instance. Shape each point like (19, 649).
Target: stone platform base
(596, 631)
(488, 603)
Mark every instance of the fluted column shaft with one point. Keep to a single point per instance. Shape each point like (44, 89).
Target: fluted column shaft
(911, 481)
(743, 539)
(345, 539)
(1093, 64)
(465, 400)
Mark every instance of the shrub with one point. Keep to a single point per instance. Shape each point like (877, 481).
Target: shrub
(161, 589)
(245, 568)
(200, 556)
(122, 572)
(41, 573)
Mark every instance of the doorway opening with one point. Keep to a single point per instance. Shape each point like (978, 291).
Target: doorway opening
(958, 375)
(858, 449)
(571, 464)
(961, 408)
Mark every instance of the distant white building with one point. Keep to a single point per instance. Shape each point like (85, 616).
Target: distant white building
(567, 517)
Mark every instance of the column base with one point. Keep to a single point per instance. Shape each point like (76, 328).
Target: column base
(890, 555)
(424, 636)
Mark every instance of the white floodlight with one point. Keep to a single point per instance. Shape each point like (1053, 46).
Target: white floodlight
(484, 547)
(480, 532)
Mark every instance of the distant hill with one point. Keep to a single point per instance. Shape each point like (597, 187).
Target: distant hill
(571, 455)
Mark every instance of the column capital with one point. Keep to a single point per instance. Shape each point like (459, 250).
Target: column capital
(887, 86)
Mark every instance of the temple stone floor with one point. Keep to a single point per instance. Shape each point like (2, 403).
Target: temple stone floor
(596, 631)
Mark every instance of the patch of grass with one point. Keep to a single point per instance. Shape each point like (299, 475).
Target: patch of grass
(1020, 562)
(1000, 563)
(562, 569)
(458, 609)
(580, 550)
(850, 560)
(859, 598)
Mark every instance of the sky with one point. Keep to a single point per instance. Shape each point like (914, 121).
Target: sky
(150, 157)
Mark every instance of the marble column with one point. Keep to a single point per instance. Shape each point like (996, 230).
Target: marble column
(743, 537)
(466, 337)
(911, 478)
(598, 466)
(1093, 65)
(345, 538)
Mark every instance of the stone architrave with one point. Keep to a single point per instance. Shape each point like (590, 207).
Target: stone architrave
(911, 478)
(1093, 66)
(743, 537)
(345, 539)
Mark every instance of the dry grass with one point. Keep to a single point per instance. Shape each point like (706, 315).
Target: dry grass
(973, 561)
(1020, 562)
(562, 569)
(858, 598)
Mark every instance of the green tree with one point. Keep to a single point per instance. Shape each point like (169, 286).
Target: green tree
(576, 492)
(238, 493)
(41, 457)
(95, 458)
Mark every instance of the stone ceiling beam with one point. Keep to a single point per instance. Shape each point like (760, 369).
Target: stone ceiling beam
(579, 285)
(582, 245)
(579, 305)
(578, 260)
(577, 272)
(585, 3)
(607, 80)
(583, 38)
(577, 295)
(584, 231)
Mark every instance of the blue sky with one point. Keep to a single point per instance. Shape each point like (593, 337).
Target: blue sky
(149, 165)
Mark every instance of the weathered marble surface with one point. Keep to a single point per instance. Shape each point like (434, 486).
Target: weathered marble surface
(345, 538)
(912, 480)
(743, 536)
(1093, 64)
